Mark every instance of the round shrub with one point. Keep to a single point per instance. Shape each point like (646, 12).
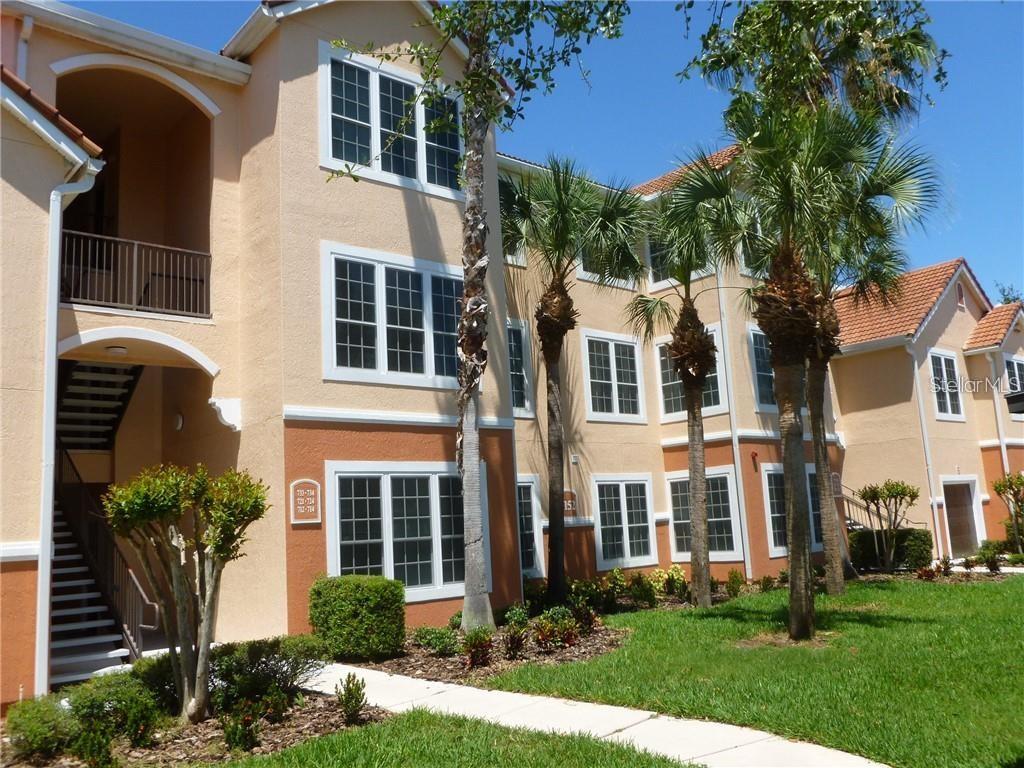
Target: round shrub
(155, 673)
(116, 704)
(913, 548)
(40, 728)
(359, 617)
(440, 641)
(252, 670)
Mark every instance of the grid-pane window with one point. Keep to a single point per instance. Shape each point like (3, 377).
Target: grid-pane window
(636, 519)
(453, 542)
(410, 521)
(404, 305)
(815, 500)
(601, 388)
(527, 543)
(609, 505)
(1014, 376)
(673, 396)
(446, 294)
(360, 525)
(517, 367)
(397, 127)
(355, 314)
(350, 113)
(443, 145)
(763, 374)
(614, 378)
(945, 385)
(777, 508)
(720, 532)
(659, 262)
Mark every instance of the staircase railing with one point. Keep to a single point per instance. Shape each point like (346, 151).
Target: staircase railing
(114, 578)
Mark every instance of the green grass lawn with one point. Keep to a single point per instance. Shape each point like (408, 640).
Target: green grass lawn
(910, 673)
(427, 740)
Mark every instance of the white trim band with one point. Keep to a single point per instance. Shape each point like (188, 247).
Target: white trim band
(19, 551)
(354, 416)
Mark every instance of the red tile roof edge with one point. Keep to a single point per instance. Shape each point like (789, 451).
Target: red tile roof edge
(50, 112)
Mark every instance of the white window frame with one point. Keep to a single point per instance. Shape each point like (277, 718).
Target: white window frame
(734, 555)
(628, 561)
(533, 481)
(759, 407)
(586, 334)
(946, 354)
(1018, 360)
(326, 53)
(773, 551)
(518, 258)
(329, 252)
(723, 400)
(531, 407)
(439, 591)
(654, 286)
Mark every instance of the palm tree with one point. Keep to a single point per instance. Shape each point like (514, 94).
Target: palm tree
(682, 228)
(556, 217)
(804, 183)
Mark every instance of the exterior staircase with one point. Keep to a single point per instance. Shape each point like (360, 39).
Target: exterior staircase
(93, 399)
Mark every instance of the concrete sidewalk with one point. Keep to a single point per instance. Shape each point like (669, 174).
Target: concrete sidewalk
(712, 744)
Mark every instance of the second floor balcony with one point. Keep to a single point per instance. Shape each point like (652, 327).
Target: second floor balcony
(126, 274)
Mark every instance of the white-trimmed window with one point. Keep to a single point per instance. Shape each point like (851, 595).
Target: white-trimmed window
(673, 397)
(624, 530)
(587, 270)
(403, 520)
(389, 318)
(611, 367)
(764, 376)
(773, 482)
(946, 386)
(531, 536)
(373, 121)
(724, 542)
(519, 368)
(1015, 380)
(656, 258)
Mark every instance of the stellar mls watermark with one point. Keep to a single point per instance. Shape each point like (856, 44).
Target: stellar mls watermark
(1002, 385)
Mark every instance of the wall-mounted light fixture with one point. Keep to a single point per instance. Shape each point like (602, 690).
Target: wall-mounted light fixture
(179, 422)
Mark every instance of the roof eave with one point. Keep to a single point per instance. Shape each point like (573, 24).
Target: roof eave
(874, 345)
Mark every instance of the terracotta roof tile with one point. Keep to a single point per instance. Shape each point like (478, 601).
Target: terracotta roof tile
(49, 111)
(870, 318)
(666, 181)
(993, 327)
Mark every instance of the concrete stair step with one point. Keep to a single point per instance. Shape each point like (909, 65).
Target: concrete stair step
(74, 596)
(64, 660)
(85, 609)
(74, 626)
(74, 583)
(74, 642)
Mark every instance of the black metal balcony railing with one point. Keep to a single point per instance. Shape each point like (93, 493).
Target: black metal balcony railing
(128, 274)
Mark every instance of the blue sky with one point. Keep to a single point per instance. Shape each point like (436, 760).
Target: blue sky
(635, 119)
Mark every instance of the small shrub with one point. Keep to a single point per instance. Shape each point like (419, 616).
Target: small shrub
(40, 728)
(252, 670)
(455, 622)
(359, 617)
(993, 562)
(535, 594)
(675, 583)
(783, 577)
(242, 726)
(969, 564)
(351, 698)
(996, 546)
(586, 618)
(1015, 559)
(118, 705)
(513, 641)
(616, 582)
(734, 583)
(642, 590)
(598, 595)
(477, 645)
(945, 565)
(516, 615)
(766, 583)
(274, 704)
(92, 747)
(555, 628)
(440, 641)
(916, 549)
(155, 673)
(714, 584)
(926, 573)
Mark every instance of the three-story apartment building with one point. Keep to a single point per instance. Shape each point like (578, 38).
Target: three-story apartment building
(182, 284)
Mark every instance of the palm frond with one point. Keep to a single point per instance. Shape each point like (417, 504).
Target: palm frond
(647, 316)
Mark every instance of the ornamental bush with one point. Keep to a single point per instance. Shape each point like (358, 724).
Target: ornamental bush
(40, 728)
(253, 670)
(440, 641)
(117, 704)
(913, 549)
(358, 617)
(642, 590)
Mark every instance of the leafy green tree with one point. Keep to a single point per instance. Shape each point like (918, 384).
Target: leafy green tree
(1008, 293)
(556, 217)
(185, 527)
(1011, 488)
(889, 502)
(510, 51)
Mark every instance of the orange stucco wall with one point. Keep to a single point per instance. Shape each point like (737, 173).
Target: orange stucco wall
(17, 630)
(996, 511)
(308, 445)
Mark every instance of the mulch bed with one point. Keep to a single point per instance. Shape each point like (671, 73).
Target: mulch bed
(418, 662)
(178, 745)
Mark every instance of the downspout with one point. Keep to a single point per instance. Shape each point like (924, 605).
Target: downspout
(996, 376)
(21, 66)
(85, 175)
(727, 370)
(927, 453)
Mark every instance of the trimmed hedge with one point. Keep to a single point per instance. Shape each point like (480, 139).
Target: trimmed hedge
(913, 549)
(359, 617)
(253, 670)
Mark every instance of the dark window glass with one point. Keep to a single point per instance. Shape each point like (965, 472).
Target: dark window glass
(405, 335)
(659, 262)
(601, 395)
(524, 508)
(777, 507)
(763, 369)
(443, 146)
(360, 525)
(636, 520)
(517, 367)
(355, 314)
(350, 113)
(445, 299)
(628, 392)
(720, 533)
(609, 503)
(410, 520)
(453, 542)
(397, 127)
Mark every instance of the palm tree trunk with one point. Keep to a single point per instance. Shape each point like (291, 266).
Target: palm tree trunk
(835, 584)
(700, 565)
(789, 394)
(556, 474)
(472, 335)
